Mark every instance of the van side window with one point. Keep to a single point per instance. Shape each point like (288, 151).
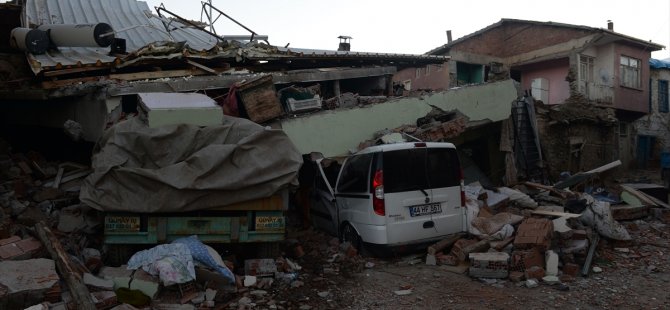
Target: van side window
(354, 177)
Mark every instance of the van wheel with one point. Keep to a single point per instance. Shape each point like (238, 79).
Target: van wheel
(349, 234)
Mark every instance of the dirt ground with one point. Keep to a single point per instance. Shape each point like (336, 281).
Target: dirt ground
(634, 276)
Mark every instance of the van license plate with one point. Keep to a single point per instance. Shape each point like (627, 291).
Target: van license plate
(425, 209)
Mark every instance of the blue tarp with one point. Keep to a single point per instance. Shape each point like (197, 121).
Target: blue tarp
(659, 64)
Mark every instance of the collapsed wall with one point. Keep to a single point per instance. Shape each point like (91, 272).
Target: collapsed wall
(576, 135)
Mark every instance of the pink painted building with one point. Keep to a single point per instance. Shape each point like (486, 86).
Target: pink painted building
(555, 62)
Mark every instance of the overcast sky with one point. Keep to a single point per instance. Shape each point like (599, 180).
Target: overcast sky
(415, 27)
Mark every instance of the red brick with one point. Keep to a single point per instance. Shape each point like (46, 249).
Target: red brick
(534, 232)
(29, 244)
(9, 240)
(571, 269)
(9, 251)
(535, 272)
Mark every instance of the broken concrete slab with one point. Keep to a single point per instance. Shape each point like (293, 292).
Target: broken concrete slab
(94, 282)
(141, 280)
(27, 281)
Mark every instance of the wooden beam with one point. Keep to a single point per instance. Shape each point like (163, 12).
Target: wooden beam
(58, 72)
(200, 66)
(78, 290)
(554, 213)
(638, 194)
(68, 82)
(156, 74)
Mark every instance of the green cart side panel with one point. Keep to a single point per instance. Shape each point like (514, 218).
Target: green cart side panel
(210, 229)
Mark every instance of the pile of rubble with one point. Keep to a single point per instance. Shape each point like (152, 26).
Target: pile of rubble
(537, 234)
(52, 255)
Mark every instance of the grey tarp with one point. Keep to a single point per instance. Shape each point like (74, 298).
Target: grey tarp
(184, 167)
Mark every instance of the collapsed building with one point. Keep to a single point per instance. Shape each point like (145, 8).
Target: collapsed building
(343, 95)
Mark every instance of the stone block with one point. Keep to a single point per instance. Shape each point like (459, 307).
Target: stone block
(431, 260)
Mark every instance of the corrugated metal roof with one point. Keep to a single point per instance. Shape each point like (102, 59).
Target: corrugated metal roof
(132, 20)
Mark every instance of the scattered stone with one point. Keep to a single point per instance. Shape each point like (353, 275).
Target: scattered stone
(323, 294)
(297, 283)
(403, 292)
(258, 293)
(249, 281)
(562, 287)
(200, 298)
(597, 269)
(622, 250)
(244, 301)
(531, 283)
(551, 280)
(305, 307)
(369, 265)
(431, 260)
(210, 294)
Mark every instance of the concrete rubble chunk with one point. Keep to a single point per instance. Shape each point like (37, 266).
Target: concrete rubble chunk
(531, 283)
(597, 269)
(431, 260)
(29, 280)
(249, 281)
(141, 280)
(93, 281)
(210, 294)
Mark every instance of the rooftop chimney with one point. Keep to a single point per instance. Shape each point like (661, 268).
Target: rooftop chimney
(344, 43)
(610, 25)
(448, 36)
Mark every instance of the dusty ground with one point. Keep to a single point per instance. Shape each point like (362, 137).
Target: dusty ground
(637, 279)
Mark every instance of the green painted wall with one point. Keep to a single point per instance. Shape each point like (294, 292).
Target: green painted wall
(335, 132)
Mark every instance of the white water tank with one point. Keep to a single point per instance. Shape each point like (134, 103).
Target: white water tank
(79, 35)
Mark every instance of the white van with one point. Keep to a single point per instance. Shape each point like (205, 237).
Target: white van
(392, 195)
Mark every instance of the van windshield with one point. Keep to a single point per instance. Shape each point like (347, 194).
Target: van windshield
(420, 168)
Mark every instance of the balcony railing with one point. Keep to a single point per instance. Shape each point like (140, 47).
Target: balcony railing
(603, 94)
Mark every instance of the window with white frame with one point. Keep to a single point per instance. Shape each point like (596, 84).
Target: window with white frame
(586, 68)
(629, 72)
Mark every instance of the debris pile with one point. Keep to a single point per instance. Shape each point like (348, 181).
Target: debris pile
(537, 234)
